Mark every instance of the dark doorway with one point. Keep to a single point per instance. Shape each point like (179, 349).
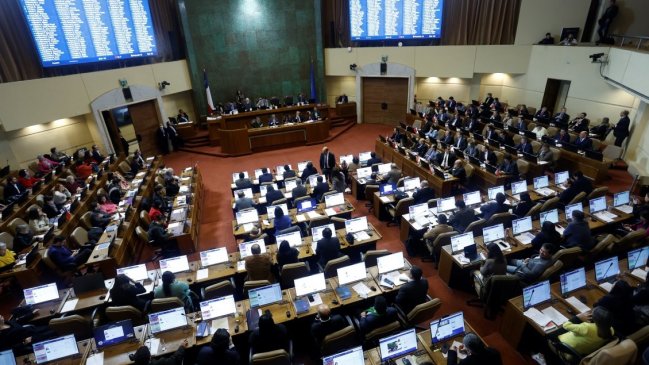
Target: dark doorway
(555, 95)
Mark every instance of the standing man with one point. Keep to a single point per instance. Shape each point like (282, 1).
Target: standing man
(173, 136)
(327, 162)
(163, 139)
(621, 130)
(605, 21)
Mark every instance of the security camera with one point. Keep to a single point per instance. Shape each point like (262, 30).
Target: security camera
(595, 57)
(353, 66)
(162, 85)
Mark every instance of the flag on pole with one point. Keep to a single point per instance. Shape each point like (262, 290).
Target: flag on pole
(208, 94)
(314, 95)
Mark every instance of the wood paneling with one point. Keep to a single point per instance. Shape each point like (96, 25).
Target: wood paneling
(146, 123)
(392, 91)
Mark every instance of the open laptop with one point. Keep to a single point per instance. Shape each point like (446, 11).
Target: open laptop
(363, 173)
(41, 294)
(87, 283)
(247, 216)
(289, 185)
(306, 205)
(258, 172)
(398, 345)
(621, 202)
(606, 272)
(346, 158)
(136, 273)
(334, 200)
(263, 189)
(560, 179)
(316, 232)
(114, 333)
(598, 209)
(493, 191)
(363, 157)
(308, 287)
(260, 297)
(7, 357)
(637, 259)
(571, 208)
(294, 238)
(313, 180)
(174, 264)
(384, 168)
(246, 192)
(387, 189)
(460, 241)
(572, 281)
(214, 256)
(302, 165)
(235, 175)
(495, 234)
(55, 349)
(351, 274)
(270, 210)
(353, 356)
(218, 307)
(445, 205)
(246, 247)
(167, 320)
(536, 294)
(411, 184)
(472, 198)
(522, 230)
(541, 184)
(390, 263)
(447, 327)
(552, 216)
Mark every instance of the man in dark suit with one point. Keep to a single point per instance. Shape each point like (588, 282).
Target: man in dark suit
(308, 171)
(509, 168)
(520, 124)
(524, 146)
(456, 121)
(96, 154)
(265, 176)
(491, 132)
(582, 183)
(13, 189)
(488, 100)
(562, 136)
(243, 182)
(288, 173)
(445, 158)
(495, 116)
(373, 159)
(471, 150)
(583, 142)
(472, 125)
(542, 114)
(320, 188)
(299, 190)
(448, 138)
(421, 147)
(325, 324)
(272, 194)
(477, 353)
(458, 171)
(577, 233)
(506, 138)
(176, 141)
(242, 201)
(621, 130)
(327, 248)
(413, 292)
(182, 117)
(463, 217)
(451, 103)
(342, 99)
(460, 141)
(423, 194)
(581, 123)
(561, 118)
(488, 156)
(499, 206)
(163, 139)
(327, 162)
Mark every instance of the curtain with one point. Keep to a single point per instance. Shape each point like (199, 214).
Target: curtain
(480, 21)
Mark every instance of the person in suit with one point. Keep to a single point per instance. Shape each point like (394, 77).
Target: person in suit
(373, 159)
(320, 188)
(601, 130)
(524, 146)
(446, 158)
(548, 39)
(442, 226)
(604, 22)
(327, 248)
(281, 220)
(423, 194)
(520, 124)
(13, 190)
(175, 139)
(488, 100)
(621, 129)
(561, 118)
(528, 270)
(182, 117)
(96, 154)
(577, 233)
(378, 315)
(548, 234)
(65, 259)
(49, 208)
(495, 116)
(342, 99)
(471, 149)
(458, 171)
(138, 163)
(23, 238)
(393, 175)
(562, 136)
(509, 168)
(583, 142)
(243, 202)
(163, 139)
(457, 121)
(126, 292)
(286, 254)
(421, 147)
(413, 292)
(299, 190)
(460, 141)
(472, 125)
(477, 352)
(243, 182)
(218, 350)
(259, 265)
(496, 105)
(491, 132)
(545, 153)
(265, 176)
(582, 183)
(506, 138)
(308, 171)
(298, 117)
(499, 206)
(542, 114)
(268, 336)
(451, 103)
(580, 123)
(325, 323)
(272, 194)
(327, 162)
(288, 173)
(462, 217)
(524, 205)
(488, 156)
(448, 138)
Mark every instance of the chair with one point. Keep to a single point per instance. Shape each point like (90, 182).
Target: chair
(252, 284)
(612, 152)
(145, 220)
(339, 222)
(297, 200)
(500, 218)
(317, 222)
(371, 256)
(531, 125)
(79, 236)
(550, 204)
(569, 257)
(331, 268)
(8, 239)
(600, 247)
(534, 211)
(420, 313)
(517, 139)
(495, 292)
(523, 167)
(120, 313)
(618, 353)
(276, 357)
(220, 289)
(163, 304)
(380, 332)
(578, 198)
(536, 146)
(476, 227)
(597, 144)
(279, 201)
(630, 241)
(338, 341)
(469, 173)
(597, 192)
(74, 324)
(400, 209)
(85, 220)
(435, 247)
(124, 168)
(552, 131)
(290, 272)
(550, 271)
(369, 196)
(13, 225)
(290, 229)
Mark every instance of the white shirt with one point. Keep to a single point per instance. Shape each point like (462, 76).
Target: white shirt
(540, 131)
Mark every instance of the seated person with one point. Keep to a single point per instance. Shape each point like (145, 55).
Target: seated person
(377, 316)
(338, 180)
(82, 169)
(268, 336)
(106, 206)
(540, 131)
(562, 136)
(299, 190)
(159, 197)
(171, 186)
(259, 265)
(325, 323)
(488, 156)
(218, 350)
(583, 142)
(548, 39)
(506, 138)
(373, 159)
(57, 156)
(413, 292)
(509, 167)
(458, 171)
(125, 292)
(582, 183)
(115, 190)
(580, 123)
(99, 218)
(155, 211)
(437, 229)
(520, 124)
(161, 238)
(265, 176)
(421, 147)
(288, 173)
(577, 233)
(524, 146)
(423, 194)
(273, 195)
(19, 338)
(65, 259)
(495, 264)
(7, 257)
(327, 248)
(320, 188)
(619, 303)
(49, 208)
(462, 217)
(601, 130)
(173, 288)
(13, 189)
(545, 154)
(393, 175)
(23, 238)
(61, 195)
(524, 205)
(281, 220)
(243, 182)
(138, 163)
(548, 234)
(286, 254)
(72, 185)
(45, 165)
(446, 158)
(472, 150)
(243, 202)
(96, 154)
(308, 171)
(530, 269)
(477, 352)
(143, 357)
(26, 180)
(38, 221)
(499, 206)
(586, 337)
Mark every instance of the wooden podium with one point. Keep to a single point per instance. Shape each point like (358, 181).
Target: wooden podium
(234, 141)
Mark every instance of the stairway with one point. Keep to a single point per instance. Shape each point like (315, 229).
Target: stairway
(340, 125)
(201, 139)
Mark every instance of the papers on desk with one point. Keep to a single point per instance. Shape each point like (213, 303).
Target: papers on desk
(361, 289)
(181, 200)
(241, 265)
(385, 199)
(639, 273)
(555, 316)
(460, 355)
(542, 163)
(606, 286)
(560, 229)
(300, 218)
(69, 305)
(153, 344)
(392, 279)
(247, 227)
(202, 274)
(545, 191)
(577, 304)
(540, 318)
(605, 216)
(95, 359)
(102, 246)
(361, 236)
(220, 323)
(317, 300)
(330, 211)
(313, 214)
(148, 287)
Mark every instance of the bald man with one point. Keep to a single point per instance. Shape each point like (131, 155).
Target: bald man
(325, 323)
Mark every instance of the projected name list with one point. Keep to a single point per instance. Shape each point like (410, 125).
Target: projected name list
(80, 31)
(395, 19)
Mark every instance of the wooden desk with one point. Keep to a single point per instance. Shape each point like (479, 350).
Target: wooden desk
(328, 297)
(419, 357)
(355, 297)
(266, 138)
(236, 320)
(282, 312)
(119, 354)
(26, 276)
(85, 301)
(82, 346)
(425, 338)
(379, 203)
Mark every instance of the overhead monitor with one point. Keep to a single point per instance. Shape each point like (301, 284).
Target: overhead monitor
(356, 225)
(310, 284)
(265, 295)
(135, 272)
(41, 294)
(214, 256)
(377, 20)
(167, 320)
(390, 262)
(218, 307)
(174, 264)
(351, 273)
(55, 349)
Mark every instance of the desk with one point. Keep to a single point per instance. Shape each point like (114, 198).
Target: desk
(425, 338)
(418, 357)
(26, 276)
(82, 346)
(328, 297)
(119, 354)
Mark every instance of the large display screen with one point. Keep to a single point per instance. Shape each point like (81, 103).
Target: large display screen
(80, 31)
(395, 19)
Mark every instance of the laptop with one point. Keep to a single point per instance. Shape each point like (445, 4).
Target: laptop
(460, 241)
(495, 234)
(306, 205)
(114, 333)
(549, 215)
(390, 263)
(218, 307)
(294, 238)
(334, 200)
(572, 281)
(346, 158)
(306, 287)
(175, 264)
(447, 327)
(289, 185)
(316, 232)
(279, 169)
(263, 189)
(536, 294)
(472, 198)
(598, 209)
(606, 271)
(471, 252)
(41, 294)
(235, 175)
(246, 192)
(541, 184)
(637, 259)
(313, 180)
(246, 247)
(214, 256)
(7, 357)
(493, 191)
(397, 345)
(445, 205)
(353, 356)
(55, 349)
(87, 283)
(560, 179)
(167, 320)
(522, 230)
(363, 157)
(571, 208)
(302, 165)
(270, 210)
(260, 297)
(621, 202)
(411, 184)
(363, 173)
(384, 168)
(259, 172)
(351, 274)
(387, 189)
(247, 216)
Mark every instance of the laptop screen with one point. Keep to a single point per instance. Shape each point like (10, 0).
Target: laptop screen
(41, 294)
(364, 172)
(175, 264)
(289, 185)
(352, 356)
(384, 168)
(218, 307)
(313, 179)
(265, 295)
(7, 358)
(310, 284)
(550, 215)
(492, 192)
(270, 210)
(493, 233)
(397, 345)
(460, 241)
(364, 156)
(55, 349)
(597, 204)
(235, 175)
(302, 165)
(522, 225)
(294, 238)
(316, 232)
(519, 187)
(258, 172)
(411, 184)
(306, 205)
(390, 262)
(351, 273)
(447, 327)
(214, 256)
(346, 158)
(541, 182)
(167, 320)
(573, 280)
(621, 198)
(561, 177)
(263, 189)
(246, 192)
(607, 268)
(247, 216)
(114, 333)
(536, 294)
(419, 209)
(638, 258)
(445, 204)
(472, 198)
(280, 169)
(571, 208)
(246, 247)
(387, 189)
(356, 225)
(333, 200)
(135, 272)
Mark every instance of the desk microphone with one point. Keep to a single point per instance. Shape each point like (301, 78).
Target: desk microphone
(607, 269)
(636, 260)
(529, 300)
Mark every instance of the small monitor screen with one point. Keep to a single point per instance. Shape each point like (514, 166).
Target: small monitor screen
(310, 284)
(280, 169)
(235, 175)
(333, 200)
(316, 232)
(302, 165)
(289, 185)
(263, 189)
(536, 294)
(493, 233)
(352, 356)
(247, 216)
(55, 349)
(519, 187)
(167, 320)
(356, 225)
(384, 168)
(114, 333)
(364, 156)
(351, 273)
(218, 307)
(492, 192)
(550, 215)
(447, 327)
(313, 180)
(597, 204)
(294, 238)
(258, 172)
(621, 198)
(417, 210)
(445, 204)
(387, 189)
(41, 294)
(364, 172)
(606, 268)
(638, 258)
(214, 256)
(306, 205)
(270, 210)
(245, 248)
(561, 177)
(411, 184)
(175, 264)
(7, 357)
(459, 242)
(522, 225)
(246, 192)
(397, 345)
(541, 182)
(471, 198)
(390, 262)
(346, 158)
(573, 280)
(135, 273)
(573, 207)
(265, 295)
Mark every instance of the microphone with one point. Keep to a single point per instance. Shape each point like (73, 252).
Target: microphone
(529, 300)
(607, 269)
(636, 260)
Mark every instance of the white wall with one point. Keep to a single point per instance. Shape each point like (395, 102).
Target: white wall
(538, 17)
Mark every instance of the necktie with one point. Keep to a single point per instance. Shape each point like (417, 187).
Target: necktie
(327, 160)
(445, 162)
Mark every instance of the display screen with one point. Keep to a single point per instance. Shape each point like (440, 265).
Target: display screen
(310, 284)
(81, 31)
(55, 349)
(135, 273)
(390, 262)
(606, 268)
(471, 198)
(265, 295)
(493, 233)
(219, 307)
(459, 242)
(597, 204)
(356, 225)
(114, 333)
(492, 192)
(350, 357)
(399, 344)
(522, 225)
(536, 294)
(550, 215)
(447, 327)
(519, 187)
(351, 273)
(395, 19)
(41, 294)
(573, 280)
